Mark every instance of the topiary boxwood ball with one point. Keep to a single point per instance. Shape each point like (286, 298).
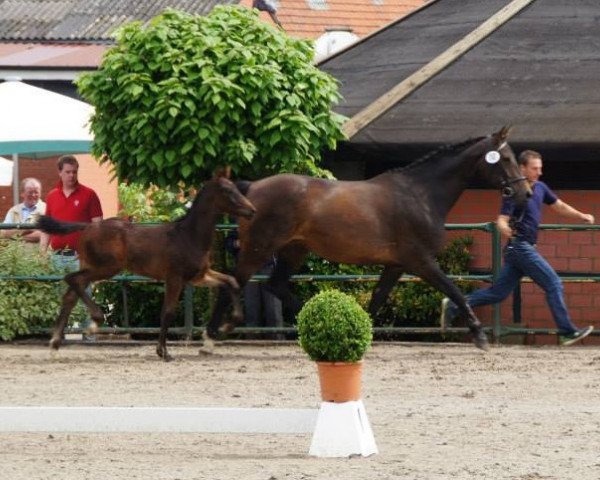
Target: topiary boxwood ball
(333, 327)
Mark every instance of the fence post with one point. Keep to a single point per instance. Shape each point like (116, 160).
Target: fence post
(496, 265)
(188, 311)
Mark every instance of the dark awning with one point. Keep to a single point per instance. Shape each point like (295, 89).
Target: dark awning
(539, 72)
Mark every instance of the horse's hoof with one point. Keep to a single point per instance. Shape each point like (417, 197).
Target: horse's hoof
(227, 328)
(91, 329)
(209, 345)
(167, 358)
(480, 340)
(54, 344)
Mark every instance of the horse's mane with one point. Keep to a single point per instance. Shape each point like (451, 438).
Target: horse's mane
(448, 148)
(188, 212)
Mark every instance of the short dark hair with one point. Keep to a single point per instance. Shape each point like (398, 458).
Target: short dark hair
(69, 159)
(525, 155)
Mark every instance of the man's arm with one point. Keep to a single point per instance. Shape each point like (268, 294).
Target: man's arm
(44, 241)
(504, 226)
(567, 210)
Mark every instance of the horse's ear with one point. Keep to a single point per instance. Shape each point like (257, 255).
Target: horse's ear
(502, 135)
(222, 172)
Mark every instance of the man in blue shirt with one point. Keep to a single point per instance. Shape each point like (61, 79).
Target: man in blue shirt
(27, 212)
(521, 257)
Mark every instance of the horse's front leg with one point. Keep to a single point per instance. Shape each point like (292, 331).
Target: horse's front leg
(68, 302)
(433, 274)
(229, 289)
(226, 284)
(279, 283)
(173, 289)
(388, 279)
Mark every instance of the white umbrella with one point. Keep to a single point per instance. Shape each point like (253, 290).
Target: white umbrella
(6, 172)
(39, 123)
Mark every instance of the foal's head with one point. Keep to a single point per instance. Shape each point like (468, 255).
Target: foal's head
(499, 165)
(228, 198)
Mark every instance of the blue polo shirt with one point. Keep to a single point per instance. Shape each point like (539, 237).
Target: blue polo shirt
(527, 227)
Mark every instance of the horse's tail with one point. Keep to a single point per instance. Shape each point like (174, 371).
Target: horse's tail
(49, 225)
(243, 186)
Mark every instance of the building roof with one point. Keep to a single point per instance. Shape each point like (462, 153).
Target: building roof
(313, 18)
(54, 39)
(538, 72)
(95, 20)
(84, 21)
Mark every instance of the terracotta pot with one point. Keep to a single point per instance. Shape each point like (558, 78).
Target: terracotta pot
(340, 381)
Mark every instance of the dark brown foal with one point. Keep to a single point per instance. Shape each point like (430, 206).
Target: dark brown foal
(176, 252)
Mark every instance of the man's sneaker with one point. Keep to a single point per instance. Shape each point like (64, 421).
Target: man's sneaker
(447, 315)
(571, 338)
(88, 338)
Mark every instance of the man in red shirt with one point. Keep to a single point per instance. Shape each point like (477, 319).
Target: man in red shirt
(70, 201)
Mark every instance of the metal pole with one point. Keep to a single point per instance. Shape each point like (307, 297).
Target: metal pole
(188, 311)
(496, 265)
(16, 195)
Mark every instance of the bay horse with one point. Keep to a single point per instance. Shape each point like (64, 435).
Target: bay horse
(395, 219)
(177, 252)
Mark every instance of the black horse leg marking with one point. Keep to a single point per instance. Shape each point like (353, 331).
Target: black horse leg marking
(433, 274)
(68, 302)
(388, 280)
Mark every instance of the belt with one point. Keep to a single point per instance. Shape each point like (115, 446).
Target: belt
(520, 240)
(67, 252)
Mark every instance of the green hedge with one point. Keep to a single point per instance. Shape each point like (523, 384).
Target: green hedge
(29, 305)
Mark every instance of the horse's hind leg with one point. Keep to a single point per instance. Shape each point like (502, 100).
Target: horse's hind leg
(79, 281)
(68, 302)
(223, 301)
(432, 273)
(388, 279)
(173, 289)
(245, 269)
(227, 285)
(288, 260)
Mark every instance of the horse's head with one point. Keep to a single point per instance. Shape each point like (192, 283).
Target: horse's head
(500, 166)
(229, 199)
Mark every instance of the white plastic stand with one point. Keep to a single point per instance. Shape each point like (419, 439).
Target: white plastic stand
(342, 430)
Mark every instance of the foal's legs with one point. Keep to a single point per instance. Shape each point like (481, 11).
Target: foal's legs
(173, 287)
(245, 269)
(433, 274)
(78, 282)
(388, 279)
(228, 286)
(68, 302)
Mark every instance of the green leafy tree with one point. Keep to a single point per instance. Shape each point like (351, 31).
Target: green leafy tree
(141, 204)
(185, 94)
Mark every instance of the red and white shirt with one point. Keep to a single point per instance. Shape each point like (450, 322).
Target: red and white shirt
(80, 206)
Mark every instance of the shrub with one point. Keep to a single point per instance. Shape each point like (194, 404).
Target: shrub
(333, 327)
(410, 303)
(26, 306)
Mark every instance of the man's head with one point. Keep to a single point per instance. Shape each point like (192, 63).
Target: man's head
(530, 163)
(67, 170)
(31, 191)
